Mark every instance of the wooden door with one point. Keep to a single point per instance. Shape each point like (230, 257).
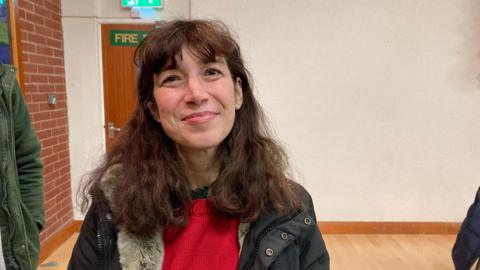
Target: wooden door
(119, 74)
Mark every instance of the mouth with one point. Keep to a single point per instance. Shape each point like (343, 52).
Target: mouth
(199, 117)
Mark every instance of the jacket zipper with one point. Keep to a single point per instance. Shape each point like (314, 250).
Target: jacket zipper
(3, 152)
(260, 237)
(257, 246)
(100, 243)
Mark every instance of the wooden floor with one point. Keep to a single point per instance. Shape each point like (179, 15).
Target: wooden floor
(59, 258)
(350, 251)
(390, 251)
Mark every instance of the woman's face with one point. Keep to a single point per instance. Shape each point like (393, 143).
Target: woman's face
(196, 101)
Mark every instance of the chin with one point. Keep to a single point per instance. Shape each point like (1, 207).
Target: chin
(205, 145)
(203, 141)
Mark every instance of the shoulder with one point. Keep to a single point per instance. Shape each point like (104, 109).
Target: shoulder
(7, 69)
(108, 183)
(7, 82)
(306, 210)
(7, 74)
(99, 215)
(102, 201)
(302, 193)
(305, 243)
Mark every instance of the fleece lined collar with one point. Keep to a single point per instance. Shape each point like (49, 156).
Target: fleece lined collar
(138, 252)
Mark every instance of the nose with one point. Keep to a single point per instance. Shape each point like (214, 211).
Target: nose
(196, 92)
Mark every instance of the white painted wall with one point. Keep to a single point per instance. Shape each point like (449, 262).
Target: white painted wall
(377, 102)
(83, 70)
(84, 97)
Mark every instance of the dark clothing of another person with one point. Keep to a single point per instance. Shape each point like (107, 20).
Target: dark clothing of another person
(466, 250)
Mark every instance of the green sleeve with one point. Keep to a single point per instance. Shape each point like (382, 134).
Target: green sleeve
(29, 165)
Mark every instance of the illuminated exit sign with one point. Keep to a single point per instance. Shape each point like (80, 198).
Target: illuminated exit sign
(142, 3)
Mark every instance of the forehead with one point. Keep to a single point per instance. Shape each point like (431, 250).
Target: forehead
(187, 54)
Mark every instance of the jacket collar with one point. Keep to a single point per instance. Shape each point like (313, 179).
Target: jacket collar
(266, 231)
(137, 252)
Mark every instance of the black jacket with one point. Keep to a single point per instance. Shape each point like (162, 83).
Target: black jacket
(466, 250)
(273, 242)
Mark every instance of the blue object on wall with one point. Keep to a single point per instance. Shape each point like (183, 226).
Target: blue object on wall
(5, 54)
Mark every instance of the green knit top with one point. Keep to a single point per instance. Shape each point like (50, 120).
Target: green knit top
(200, 193)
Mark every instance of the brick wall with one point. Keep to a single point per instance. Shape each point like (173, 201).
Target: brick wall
(40, 26)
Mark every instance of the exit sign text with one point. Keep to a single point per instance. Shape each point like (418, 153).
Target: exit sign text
(126, 37)
(142, 3)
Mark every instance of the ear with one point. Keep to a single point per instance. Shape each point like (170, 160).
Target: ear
(153, 110)
(238, 93)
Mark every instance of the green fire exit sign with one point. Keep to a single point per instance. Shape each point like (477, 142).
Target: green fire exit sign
(142, 3)
(127, 37)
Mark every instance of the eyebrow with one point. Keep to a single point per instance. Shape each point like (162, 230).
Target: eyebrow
(220, 60)
(173, 63)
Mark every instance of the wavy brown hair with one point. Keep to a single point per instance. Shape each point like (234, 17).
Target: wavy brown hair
(152, 191)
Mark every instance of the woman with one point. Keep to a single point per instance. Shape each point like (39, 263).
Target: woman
(194, 180)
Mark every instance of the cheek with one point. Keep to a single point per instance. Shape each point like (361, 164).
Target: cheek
(226, 96)
(166, 103)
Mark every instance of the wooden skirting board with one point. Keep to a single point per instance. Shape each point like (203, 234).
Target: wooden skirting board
(327, 227)
(49, 246)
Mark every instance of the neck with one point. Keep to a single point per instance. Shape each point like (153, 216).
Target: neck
(202, 169)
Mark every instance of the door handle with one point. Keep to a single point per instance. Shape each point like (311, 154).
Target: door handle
(112, 130)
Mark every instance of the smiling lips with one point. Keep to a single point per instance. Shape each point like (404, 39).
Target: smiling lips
(199, 118)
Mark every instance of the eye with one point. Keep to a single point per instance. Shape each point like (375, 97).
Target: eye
(212, 72)
(171, 78)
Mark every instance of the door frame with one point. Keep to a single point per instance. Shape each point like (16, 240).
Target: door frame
(101, 103)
